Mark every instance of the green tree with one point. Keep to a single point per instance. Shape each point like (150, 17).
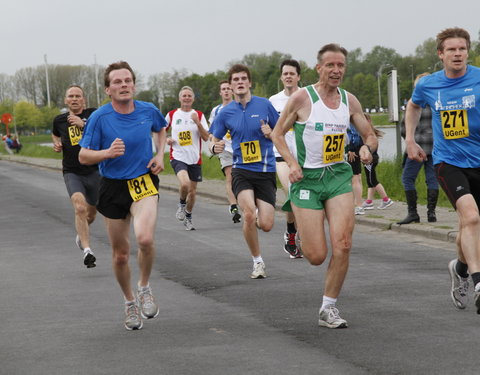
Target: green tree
(48, 114)
(28, 117)
(426, 57)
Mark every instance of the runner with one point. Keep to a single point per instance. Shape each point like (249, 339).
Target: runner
(250, 120)
(226, 156)
(188, 128)
(118, 137)
(81, 180)
(290, 76)
(321, 178)
(453, 95)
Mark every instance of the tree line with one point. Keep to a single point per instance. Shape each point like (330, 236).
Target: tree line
(26, 96)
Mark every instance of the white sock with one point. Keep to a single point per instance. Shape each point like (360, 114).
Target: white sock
(257, 259)
(128, 302)
(87, 250)
(328, 301)
(477, 287)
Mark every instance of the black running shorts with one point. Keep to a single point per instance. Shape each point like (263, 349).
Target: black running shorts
(115, 199)
(263, 184)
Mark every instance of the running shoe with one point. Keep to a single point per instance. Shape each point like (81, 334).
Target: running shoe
(459, 288)
(89, 258)
(180, 214)
(236, 217)
(148, 307)
(359, 211)
(367, 206)
(330, 317)
(477, 300)
(133, 321)
(290, 246)
(188, 223)
(258, 271)
(385, 204)
(78, 242)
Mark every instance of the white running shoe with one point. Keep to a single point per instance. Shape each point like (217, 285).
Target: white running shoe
(148, 307)
(188, 223)
(258, 271)
(384, 204)
(367, 206)
(133, 321)
(359, 211)
(330, 317)
(459, 287)
(180, 214)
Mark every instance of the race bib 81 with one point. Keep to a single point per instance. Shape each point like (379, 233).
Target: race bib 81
(141, 187)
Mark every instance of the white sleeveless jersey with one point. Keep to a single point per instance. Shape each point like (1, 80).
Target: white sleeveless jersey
(321, 140)
(227, 139)
(279, 101)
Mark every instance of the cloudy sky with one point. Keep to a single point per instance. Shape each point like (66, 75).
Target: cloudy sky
(157, 36)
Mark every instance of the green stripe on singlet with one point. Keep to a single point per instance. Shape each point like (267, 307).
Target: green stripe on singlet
(343, 94)
(300, 144)
(313, 94)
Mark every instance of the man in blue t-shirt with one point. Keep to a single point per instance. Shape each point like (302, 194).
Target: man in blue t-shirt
(453, 94)
(250, 120)
(118, 138)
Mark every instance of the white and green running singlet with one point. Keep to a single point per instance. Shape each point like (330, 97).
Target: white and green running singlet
(321, 140)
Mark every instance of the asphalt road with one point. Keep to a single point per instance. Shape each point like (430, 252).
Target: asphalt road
(57, 317)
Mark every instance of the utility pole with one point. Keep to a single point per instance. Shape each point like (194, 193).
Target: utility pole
(46, 76)
(96, 81)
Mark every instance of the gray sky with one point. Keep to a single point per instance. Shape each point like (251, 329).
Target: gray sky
(157, 36)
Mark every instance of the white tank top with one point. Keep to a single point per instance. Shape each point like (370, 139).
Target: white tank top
(321, 140)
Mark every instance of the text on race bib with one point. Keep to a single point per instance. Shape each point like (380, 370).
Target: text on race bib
(454, 124)
(185, 138)
(333, 148)
(141, 187)
(251, 152)
(75, 134)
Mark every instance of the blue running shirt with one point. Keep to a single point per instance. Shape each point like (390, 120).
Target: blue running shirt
(455, 116)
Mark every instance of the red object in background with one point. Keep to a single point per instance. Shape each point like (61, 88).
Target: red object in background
(7, 118)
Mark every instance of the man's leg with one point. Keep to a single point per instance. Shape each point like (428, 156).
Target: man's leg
(118, 233)
(191, 196)
(339, 211)
(246, 200)
(184, 186)
(266, 215)
(311, 229)
(84, 216)
(228, 185)
(290, 235)
(233, 209)
(469, 232)
(184, 181)
(144, 213)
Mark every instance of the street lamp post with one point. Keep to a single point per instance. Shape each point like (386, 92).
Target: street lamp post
(46, 78)
(379, 75)
(411, 68)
